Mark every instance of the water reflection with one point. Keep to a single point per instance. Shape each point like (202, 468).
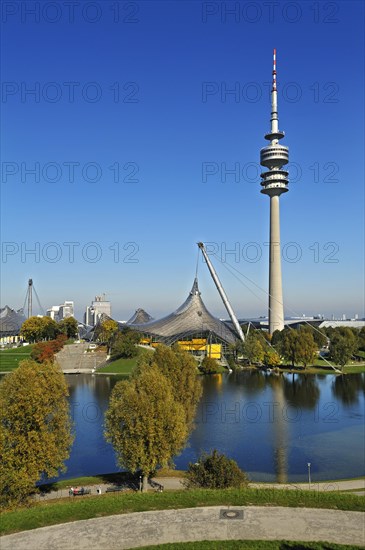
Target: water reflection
(302, 390)
(272, 425)
(280, 433)
(349, 388)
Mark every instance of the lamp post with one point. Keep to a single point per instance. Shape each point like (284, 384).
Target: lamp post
(140, 483)
(309, 474)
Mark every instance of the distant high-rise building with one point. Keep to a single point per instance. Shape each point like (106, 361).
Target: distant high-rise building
(52, 312)
(98, 307)
(57, 313)
(66, 310)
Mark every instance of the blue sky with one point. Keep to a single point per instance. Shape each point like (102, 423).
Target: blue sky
(131, 128)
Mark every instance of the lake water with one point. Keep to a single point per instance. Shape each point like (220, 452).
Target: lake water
(272, 425)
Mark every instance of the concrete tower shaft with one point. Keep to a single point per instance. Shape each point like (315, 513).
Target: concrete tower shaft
(274, 182)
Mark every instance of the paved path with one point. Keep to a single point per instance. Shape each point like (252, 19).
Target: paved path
(356, 486)
(209, 523)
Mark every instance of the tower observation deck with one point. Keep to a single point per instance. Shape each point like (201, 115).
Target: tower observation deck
(274, 182)
(274, 156)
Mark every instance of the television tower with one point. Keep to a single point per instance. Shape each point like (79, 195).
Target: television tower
(274, 182)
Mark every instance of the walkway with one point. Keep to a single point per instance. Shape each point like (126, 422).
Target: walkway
(355, 486)
(209, 523)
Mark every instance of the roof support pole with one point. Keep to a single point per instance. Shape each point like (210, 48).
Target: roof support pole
(222, 293)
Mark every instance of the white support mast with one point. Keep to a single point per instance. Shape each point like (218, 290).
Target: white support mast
(222, 293)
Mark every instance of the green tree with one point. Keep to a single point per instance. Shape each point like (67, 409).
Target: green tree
(180, 368)
(50, 328)
(125, 344)
(215, 471)
(272, 358)
(288, 346)
(35, 428)
(276, 337)
(306, 348)
(361, 339)
(209, 365)
(144, 423)
(318, 334)
(253, 348)
(298, 346)
(342, 348)
(69, 327)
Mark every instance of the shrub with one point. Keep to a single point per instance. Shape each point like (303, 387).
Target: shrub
(215, 471)
(44, 351)
(208, 365)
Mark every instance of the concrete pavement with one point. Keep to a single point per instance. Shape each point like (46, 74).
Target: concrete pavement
(120, 532)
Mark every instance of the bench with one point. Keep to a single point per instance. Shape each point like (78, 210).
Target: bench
(114, 488)
(80, 492)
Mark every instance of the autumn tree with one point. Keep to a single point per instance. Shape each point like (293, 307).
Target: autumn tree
(35, 428)
(69, 327)
(215, 471)
(36, 329)
(180, 368)
(271, 358)
(108, 332)
(144, 423)
(43, 352)
(306, 348)
(253, 348)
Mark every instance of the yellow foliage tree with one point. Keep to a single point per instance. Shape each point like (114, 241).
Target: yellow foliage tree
(35, 428)
(144, 423)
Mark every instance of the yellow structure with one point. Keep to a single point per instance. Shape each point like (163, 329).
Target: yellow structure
(200, 344)
(196, 344)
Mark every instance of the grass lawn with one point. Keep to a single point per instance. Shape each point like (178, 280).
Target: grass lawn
(69, 509)
(10, 358)
(322, 367)
(123, 366)
(250, 545)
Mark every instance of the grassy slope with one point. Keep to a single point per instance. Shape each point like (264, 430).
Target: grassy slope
(123, 366)
(10, 358)
(70, 509)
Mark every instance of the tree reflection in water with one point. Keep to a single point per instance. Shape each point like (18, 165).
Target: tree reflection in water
(348, 388)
